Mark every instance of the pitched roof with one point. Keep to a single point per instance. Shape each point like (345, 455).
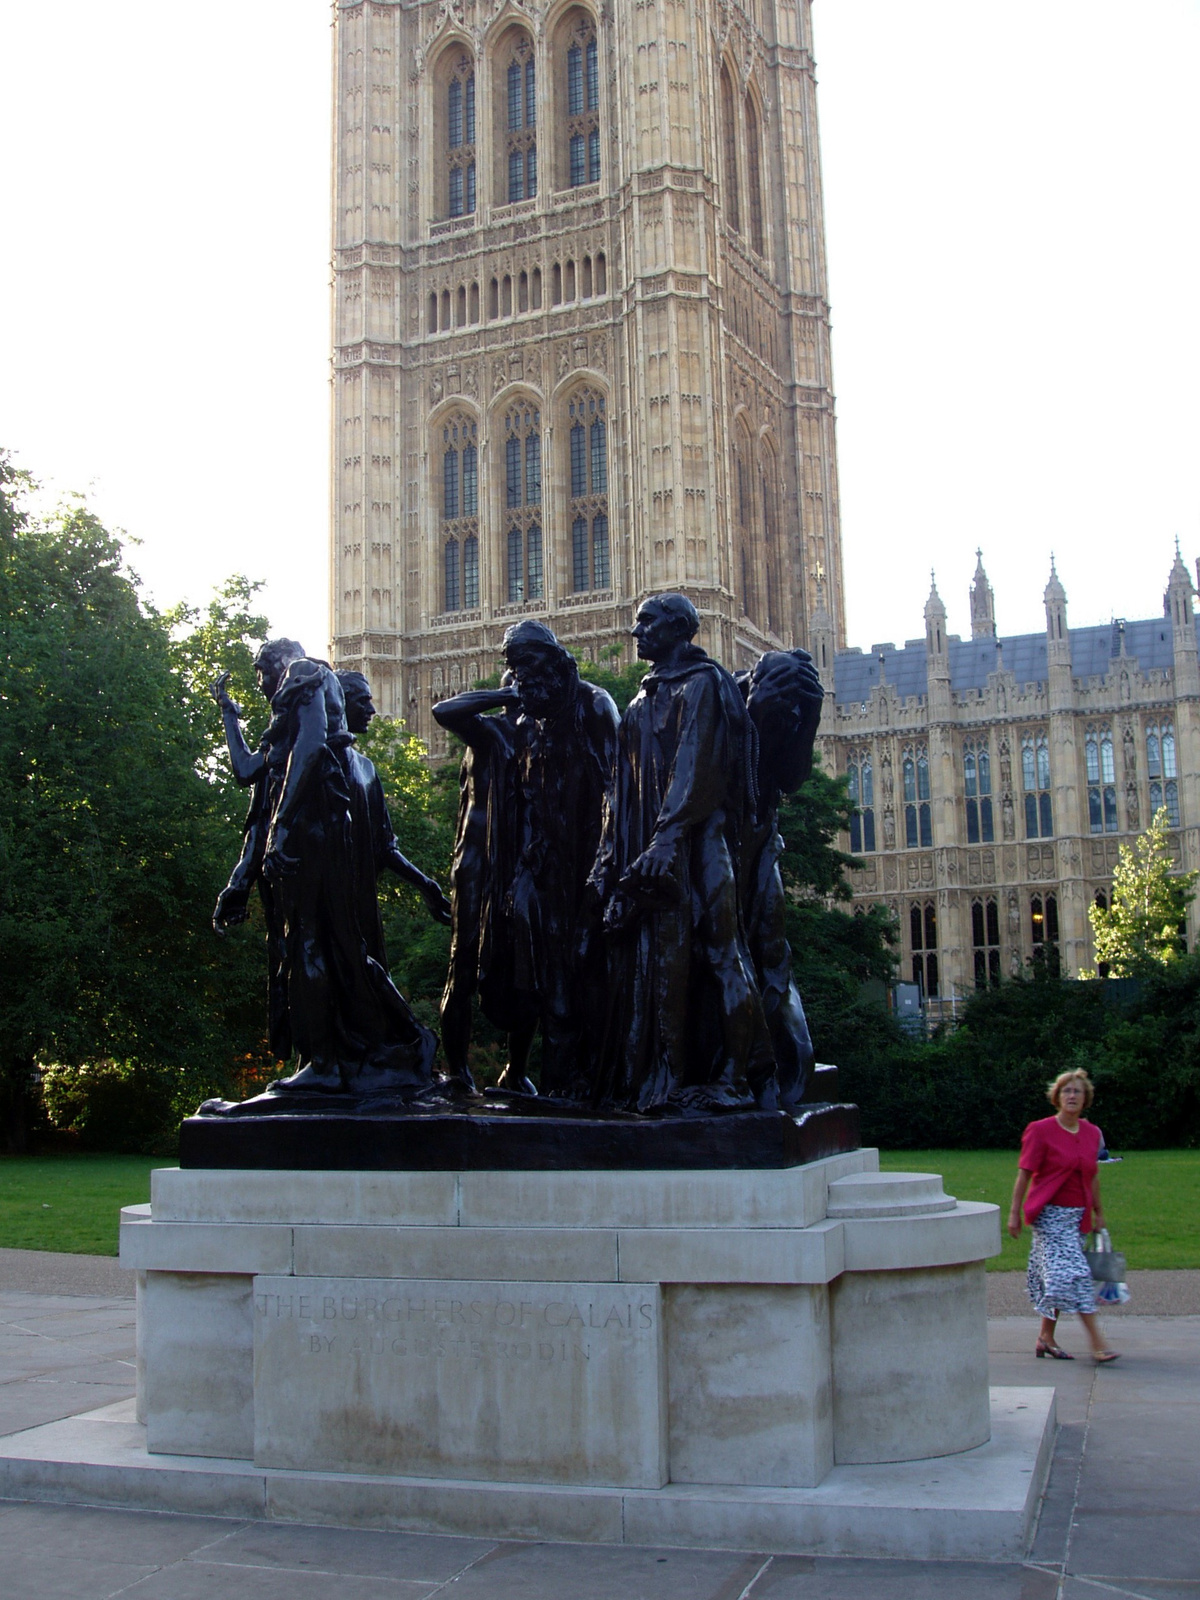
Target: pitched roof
(856, 672)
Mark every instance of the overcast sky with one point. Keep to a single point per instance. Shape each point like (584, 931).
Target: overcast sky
(1011, 208)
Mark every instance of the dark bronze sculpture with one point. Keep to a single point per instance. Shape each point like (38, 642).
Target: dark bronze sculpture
(481, 874)
(686, 1026)
(783, 697)
(615, 886)
(316, 834)
(540, 962)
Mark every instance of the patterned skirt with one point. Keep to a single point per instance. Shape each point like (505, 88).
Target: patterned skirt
(1058, 1277)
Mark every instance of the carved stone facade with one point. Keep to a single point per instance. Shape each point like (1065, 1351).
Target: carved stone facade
(581, 336)
(997, 777)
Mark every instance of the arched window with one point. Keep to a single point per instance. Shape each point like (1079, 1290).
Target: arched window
(460, 513)
(918, 814)
(985, 940)
(1035, 778)
(524, 564)
(1160, 765)
(977, 786)
(1101, 789)
(459, 90)
(587, 433)
(922, 938)
(1043, 918)
(768, 484)
(860, 774)
(754, 178)
(743, 516)
(582, 123)
(729, 172)
(517, 119)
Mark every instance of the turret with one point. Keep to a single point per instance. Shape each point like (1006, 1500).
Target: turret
(937, 656)
(1177, 606)
(1058, 640)
(983, 603)
(1177, 601)
(935, 626)
(821, 637)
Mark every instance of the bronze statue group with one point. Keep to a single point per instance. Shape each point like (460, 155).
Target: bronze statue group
(615, 886)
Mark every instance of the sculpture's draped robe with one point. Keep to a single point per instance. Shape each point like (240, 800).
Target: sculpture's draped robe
(564, 770)
(332, 1002)
(685, 1013)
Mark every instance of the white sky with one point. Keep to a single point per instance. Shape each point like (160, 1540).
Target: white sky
(1011, 207)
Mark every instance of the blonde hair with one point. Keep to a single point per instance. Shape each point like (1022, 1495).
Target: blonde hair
(1053, 1090)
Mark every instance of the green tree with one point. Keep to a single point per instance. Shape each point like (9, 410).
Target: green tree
(423, 803)
(1142, 929)
(113, 837)
(834, 953)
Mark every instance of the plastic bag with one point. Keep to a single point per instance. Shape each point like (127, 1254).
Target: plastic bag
(1112, 1294)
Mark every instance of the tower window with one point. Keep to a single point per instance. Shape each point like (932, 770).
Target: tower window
(754, 178)
(729, 172)
(460, 138)
(583, 105)
(591, 556)
(520, 122)
(524, 564)
(460, 513)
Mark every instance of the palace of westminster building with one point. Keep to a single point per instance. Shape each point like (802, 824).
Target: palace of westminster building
(581, 354)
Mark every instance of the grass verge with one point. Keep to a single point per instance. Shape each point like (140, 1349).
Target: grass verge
(1151, 1199)
(72, 1202)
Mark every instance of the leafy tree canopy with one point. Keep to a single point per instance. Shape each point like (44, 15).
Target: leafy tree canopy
(114, 836)
(1142, 929)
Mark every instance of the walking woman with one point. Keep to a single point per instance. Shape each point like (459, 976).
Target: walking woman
(1060, 1191)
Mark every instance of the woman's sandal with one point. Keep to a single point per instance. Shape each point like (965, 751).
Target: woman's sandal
(1054, 1351)
(1105, 1356)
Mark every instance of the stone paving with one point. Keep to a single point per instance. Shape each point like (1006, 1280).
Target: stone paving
(1121, 1515)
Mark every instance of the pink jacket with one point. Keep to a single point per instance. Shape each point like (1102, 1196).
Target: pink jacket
(1051, 1154)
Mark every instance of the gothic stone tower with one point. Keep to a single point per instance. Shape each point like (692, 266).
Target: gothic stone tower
(581, 335)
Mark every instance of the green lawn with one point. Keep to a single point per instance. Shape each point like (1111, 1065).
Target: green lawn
(70, 1202)
(1151, 1199)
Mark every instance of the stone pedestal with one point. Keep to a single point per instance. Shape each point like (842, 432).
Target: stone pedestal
(709, 1357)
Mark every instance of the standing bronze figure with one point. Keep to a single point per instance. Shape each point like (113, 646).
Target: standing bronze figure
(783, 696)
(314, 837)
(686, 1029)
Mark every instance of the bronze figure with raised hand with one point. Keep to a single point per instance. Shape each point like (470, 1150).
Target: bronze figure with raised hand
(314, 837)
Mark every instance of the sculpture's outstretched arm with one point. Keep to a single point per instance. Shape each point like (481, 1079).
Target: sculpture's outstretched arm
(247, 763)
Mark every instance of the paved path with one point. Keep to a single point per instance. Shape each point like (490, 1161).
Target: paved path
(1121, 1516)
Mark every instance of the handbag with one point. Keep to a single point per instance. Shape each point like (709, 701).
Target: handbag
(1105, 1264)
